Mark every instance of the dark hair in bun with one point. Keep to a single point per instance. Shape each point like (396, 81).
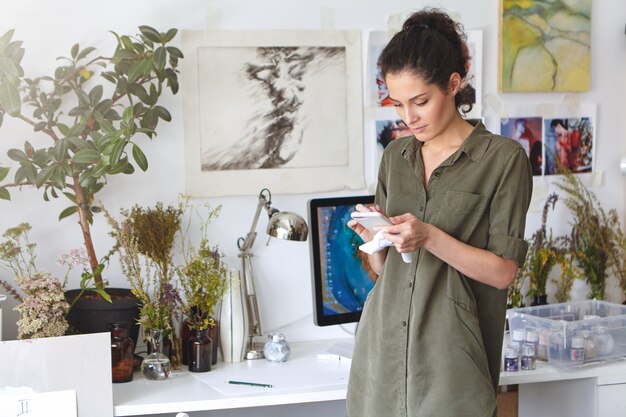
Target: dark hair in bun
(432, 46)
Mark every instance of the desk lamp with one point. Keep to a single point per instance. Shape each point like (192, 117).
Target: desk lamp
(282, 225)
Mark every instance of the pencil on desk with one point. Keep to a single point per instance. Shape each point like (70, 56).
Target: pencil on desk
(252, 384)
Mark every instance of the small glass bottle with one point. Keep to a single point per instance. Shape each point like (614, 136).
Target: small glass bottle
(156, 365)
(591, 344)
(276, 349)
(511, 359)
(528, 359)
(532, 336)
(122, 351)
(517, 338)
(606, 343)
(199, 351)
(542, 345)
(577, 350)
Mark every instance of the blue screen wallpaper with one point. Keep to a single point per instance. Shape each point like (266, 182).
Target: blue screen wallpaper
(347, 275)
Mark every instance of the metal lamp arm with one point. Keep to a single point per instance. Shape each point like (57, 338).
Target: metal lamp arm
(245, 245)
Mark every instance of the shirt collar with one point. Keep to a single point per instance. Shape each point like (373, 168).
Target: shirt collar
(474, 146)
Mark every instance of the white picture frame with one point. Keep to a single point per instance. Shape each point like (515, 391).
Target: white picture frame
(272, 109)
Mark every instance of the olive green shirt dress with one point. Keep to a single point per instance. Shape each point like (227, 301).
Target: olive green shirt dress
(430, 339)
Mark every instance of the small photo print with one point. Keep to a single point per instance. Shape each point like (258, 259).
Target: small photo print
(569, 141)
(388, 130)
(378, 94)
(527, 132)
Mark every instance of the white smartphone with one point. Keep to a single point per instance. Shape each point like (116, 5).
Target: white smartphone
(370, 219)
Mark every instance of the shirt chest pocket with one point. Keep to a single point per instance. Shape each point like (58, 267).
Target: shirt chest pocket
(460, 213)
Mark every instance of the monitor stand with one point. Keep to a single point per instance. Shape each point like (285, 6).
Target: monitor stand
(344, 347)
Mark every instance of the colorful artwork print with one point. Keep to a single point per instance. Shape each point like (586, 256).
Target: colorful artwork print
(527, 132)
(570, 141)
(379, 96)
(545, 45)
(388, 130)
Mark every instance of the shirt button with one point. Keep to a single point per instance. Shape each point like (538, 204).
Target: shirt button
(437, 174)
(404, 324)
(421, 208)
(410, 285)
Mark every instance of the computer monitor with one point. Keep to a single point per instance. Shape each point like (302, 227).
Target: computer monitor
(341, 275)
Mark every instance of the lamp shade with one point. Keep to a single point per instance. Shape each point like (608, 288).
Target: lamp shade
(288, 226)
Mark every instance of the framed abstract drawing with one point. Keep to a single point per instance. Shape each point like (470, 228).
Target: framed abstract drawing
(272, 109)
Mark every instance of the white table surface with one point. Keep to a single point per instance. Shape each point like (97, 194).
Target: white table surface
(183, 392)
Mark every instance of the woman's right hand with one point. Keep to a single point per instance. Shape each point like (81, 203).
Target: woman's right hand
(363, 233)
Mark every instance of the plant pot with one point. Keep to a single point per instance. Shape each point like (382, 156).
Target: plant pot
(92, 314)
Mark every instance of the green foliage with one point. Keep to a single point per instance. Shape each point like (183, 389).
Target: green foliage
(203, 283)
(203, 276)
(597, 241)
(98, 135)
(144, 241)
(154, 230)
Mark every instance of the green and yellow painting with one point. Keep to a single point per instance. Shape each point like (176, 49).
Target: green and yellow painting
(545, 45)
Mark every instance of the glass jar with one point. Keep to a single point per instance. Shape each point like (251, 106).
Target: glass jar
(199, 351)
(276, 349)
(591, 344)
(185, 335)
(606, 343)
(156, 365)
(122, 351)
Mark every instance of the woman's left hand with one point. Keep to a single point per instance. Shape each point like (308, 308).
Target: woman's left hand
(408, 233)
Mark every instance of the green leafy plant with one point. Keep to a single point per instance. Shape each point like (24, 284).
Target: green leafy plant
(92, 109)
(203, 276)
(597, 240)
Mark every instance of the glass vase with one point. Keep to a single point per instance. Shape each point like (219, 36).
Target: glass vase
(156, 366)
(214, 335)
(200, 351)
(185, 335)
(122, 351)
(539, 300)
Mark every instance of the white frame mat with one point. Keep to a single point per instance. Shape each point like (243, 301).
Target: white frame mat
(242, 87)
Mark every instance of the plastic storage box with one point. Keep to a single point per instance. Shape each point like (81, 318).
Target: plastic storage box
(575, 333)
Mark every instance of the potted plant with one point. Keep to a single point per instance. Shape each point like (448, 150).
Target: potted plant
(544, 253)
(93, 110)
(203, 281)
(597, 240)
(145, 239)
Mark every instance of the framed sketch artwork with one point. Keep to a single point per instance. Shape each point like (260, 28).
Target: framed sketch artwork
(272, 109)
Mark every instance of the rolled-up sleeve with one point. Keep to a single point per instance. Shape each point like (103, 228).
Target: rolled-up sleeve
(509, 206)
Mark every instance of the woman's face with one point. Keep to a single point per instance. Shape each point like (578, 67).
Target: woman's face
(425, 109)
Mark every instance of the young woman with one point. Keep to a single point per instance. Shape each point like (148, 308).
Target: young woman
(430, 337)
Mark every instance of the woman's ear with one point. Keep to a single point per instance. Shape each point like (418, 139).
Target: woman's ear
(454, 83)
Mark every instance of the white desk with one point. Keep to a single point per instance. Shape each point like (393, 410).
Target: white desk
(183, 392)
(547, 391)
(590, 391)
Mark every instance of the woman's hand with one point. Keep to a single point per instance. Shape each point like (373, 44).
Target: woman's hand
(407, 234)
(363, 233)
(377, 260)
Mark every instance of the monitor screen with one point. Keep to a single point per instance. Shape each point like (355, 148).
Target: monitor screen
(341, 275)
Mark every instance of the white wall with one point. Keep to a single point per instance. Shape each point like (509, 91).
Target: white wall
(49, 28)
